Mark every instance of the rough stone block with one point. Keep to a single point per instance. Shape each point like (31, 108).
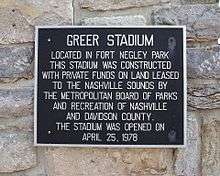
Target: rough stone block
(104, 5)
(32, 9)
(48, 19)
(18, 18)
(211, 148)
(39, 170)
(114, 21)
(203, 62)
(16, 152)
(110, 162)
(202, 21)
(20, 123)
(16, 102)
(188, 160)
(203, 94)
(198, 1)
(16, 61)
(14, 28)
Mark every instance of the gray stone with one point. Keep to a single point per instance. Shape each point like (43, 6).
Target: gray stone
(14, 28)
(32, 9)
(119, 20)
(211, 149)
(39, 170)
(110, 162)
(16, 61)
(202, 21)
(16, 151)
(198, 1)
(188, 160)
(19, 17)
(203, 62)
(16, 102)
(19, 123)
(104, 5)
(203, 95)
(52, 19)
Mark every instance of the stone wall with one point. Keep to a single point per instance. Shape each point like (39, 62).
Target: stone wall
(18, 156)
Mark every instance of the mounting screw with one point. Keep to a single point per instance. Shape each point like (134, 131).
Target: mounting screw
(172, 136)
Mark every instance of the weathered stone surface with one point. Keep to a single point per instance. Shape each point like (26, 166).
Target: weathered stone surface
(32, 9)
(39, 170)
(104, 5)
(203, 94)
(20, 123)
(188, 160)
(16, 61)
(211, 148)
(16, 102)
(203, 62)
(202, 21)
(14, 28)
(52, 19)
(16, 151)
(110, 162)
(119, 20)
(198, 1)
(18, 18)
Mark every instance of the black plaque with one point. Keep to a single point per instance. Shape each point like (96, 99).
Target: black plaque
(110, 86)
